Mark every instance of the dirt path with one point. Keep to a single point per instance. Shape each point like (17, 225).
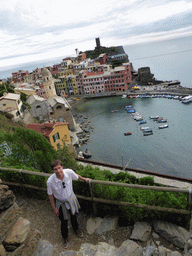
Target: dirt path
(40, 214)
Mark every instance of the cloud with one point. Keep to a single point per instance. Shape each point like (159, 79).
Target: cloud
(31, 30)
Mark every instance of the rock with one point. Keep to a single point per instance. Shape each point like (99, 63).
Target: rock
(30, 245)
(107, 224)
(188, 245)
(7, 220)
(2, 250)
(18, 233)
(87, 249)
(70, 253)
(44, 248)
(7, 197)
(172, 233)
(175, 254)
(104, 249)
(92, 224)
(128, 248)
(155, 235)
(141, 231)
(189, 253)
(148, 251)
(161, 251)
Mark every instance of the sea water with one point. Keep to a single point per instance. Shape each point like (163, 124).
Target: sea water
(167, 151)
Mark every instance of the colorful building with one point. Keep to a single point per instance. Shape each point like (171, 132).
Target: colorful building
(56, 133)
(11, 103)
(19, 76)
(118, 79)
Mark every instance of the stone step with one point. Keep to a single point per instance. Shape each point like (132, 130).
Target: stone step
(7, 219)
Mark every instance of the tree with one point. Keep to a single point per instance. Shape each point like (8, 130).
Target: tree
(30, 149)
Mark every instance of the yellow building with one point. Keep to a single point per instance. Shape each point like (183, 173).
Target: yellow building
(56, 133)
(60, 86)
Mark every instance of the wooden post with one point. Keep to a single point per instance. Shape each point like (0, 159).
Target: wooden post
(94, 204)
(189, 227)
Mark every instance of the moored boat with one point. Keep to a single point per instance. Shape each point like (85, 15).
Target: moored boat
(87, 154)
(124, 96)
(127, 133)
(131, 110)
(143, 122)
(147, 130)
(163, 126)
(187, 99)
(144, 128)
(153, 117)
(147, 133)
(128, 107)
(162, 121)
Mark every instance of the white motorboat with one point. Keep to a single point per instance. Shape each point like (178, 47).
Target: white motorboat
(187, 99)
(163, 126)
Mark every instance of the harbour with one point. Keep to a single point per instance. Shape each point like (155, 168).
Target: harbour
(167, 151)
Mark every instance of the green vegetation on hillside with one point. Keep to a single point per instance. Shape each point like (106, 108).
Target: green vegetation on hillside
(5, 88)
(31, 151)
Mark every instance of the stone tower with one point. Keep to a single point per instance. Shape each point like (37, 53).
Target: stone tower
(48, 82)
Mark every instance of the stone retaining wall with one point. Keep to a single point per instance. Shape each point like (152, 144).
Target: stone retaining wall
(16, 236)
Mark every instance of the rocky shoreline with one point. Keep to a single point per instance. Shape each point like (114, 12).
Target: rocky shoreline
(85, 124)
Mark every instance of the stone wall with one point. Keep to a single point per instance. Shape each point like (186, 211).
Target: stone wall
(16, 236)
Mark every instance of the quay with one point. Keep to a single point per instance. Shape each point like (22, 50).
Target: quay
(170, 87)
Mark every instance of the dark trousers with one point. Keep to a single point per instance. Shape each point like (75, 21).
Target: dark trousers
(64, 223)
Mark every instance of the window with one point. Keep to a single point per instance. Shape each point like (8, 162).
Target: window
(17, 113)
(38, 106)
(56, 137)
(58, 145)
(58, 107)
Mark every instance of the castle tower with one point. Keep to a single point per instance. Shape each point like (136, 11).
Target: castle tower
(48, 82)
(98, 44)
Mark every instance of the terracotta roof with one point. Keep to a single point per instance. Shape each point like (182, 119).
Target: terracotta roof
(46, 128)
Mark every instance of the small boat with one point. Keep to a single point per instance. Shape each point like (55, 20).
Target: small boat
(127, 133)
(163, 126)
(147, 130)
(147, 133)
(86, 154)
(186, 99)
(124, 96)
(128, 107)
(131, 110)
(158, 119)
(114, 110)
(143, 122)
(153, 117)
(144, 128)
(162, 121)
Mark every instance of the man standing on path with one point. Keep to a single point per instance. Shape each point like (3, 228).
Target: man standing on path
(59, 187)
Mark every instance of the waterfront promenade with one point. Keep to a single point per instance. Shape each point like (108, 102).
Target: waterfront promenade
(163, 88)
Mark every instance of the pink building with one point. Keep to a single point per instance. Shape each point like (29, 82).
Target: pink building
(18, 76)
(80, 81)
(119, 78)
(94, 82)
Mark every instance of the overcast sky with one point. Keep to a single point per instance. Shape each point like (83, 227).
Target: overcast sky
(33, 30)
